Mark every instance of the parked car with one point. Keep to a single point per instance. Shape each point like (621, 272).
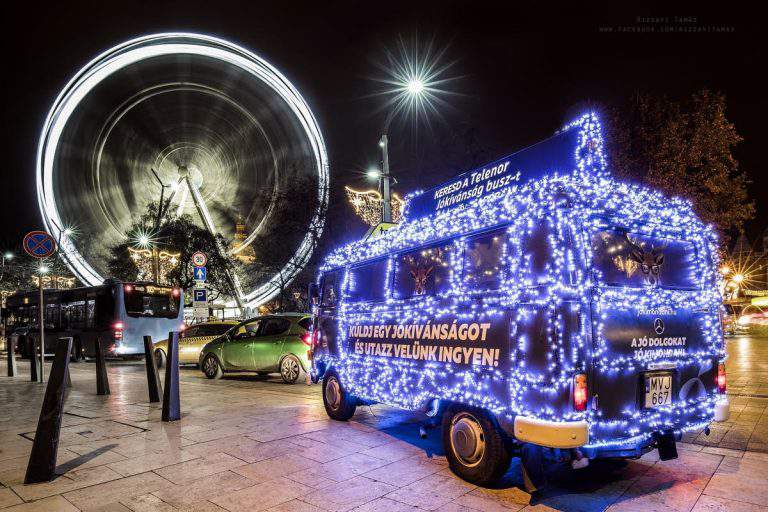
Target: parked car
(265, 344)
(192, 340)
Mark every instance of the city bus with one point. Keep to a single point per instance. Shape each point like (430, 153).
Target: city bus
(537, 306)
(119, 313)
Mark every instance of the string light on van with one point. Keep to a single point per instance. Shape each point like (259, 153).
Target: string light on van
(552, 292)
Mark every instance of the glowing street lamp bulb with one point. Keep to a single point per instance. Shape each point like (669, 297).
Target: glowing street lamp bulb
(415, 86)
(374, 174)
(738, 278)
(143, 240)
(8, 255)
(44, 269)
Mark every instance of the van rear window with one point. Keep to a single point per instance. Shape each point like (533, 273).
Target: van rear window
(629, 259)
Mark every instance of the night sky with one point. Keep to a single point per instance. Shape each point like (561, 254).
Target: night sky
(522, 74)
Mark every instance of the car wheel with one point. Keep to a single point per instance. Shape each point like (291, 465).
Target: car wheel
(290, 369)
(211, 367)
(160, 358)
(77, 352)
(474, 445)
(339, 404)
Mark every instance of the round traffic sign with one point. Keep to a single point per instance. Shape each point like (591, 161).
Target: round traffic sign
(199, 259)
(39, 244)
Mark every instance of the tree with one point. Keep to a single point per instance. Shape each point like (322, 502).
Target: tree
(178, 235)
(685, 149)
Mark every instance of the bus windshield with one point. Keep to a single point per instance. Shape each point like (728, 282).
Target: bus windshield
(152, 301)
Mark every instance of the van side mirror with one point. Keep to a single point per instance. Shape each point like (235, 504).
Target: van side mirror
(314, 294)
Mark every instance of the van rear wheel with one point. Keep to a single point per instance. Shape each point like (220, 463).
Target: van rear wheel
(339, 404)
(474, 445)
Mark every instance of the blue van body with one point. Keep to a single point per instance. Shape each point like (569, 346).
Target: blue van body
(576, 311)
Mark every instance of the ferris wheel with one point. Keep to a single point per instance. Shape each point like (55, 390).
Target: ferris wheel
(212, 121)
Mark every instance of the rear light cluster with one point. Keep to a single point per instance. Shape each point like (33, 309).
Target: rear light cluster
(721, 378)
(306, 338)
(118, 327)
(580, 392)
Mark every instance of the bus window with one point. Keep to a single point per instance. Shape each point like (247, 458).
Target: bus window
(425, 271)
(330, 288)
(366, 282)
(153, 301)
(90, 314)
(483, 265)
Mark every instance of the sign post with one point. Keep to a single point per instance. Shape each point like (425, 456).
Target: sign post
(40, 245)
(200, 293)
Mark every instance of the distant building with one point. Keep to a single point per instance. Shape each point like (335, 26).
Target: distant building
(247, 254)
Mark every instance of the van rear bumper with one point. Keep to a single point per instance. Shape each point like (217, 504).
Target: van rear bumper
(551, 434)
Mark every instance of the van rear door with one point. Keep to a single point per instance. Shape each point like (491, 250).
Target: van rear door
(653, 330)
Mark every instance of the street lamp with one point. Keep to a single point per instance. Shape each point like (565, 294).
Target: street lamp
(415, 80)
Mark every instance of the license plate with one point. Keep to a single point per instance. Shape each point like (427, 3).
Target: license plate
(658, 390)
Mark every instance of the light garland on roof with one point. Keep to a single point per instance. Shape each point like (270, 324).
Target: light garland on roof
(560, 295)
(368, 205)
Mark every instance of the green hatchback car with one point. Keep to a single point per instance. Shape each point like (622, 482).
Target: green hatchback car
(265, 344)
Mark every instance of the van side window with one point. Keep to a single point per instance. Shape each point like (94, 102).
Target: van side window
(425, 271)
(366, 282)
(330, 289)
(483, 263)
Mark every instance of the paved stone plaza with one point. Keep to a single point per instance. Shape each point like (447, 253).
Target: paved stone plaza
(249, 443)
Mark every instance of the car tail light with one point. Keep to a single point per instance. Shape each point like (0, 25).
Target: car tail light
(118, 326)
(306, 338)
(580, 392)
(128, 288)
(721, 378)
(176, 292)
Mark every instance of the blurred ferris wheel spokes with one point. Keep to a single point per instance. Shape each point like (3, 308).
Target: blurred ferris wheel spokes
(225, 131)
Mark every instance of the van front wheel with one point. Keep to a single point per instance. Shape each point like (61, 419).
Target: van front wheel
(474, 445)
(339, 404)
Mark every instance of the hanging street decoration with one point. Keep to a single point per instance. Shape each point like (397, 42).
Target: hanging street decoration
(368, 205)
(563, 231)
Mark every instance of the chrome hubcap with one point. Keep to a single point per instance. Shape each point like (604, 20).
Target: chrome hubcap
(467, 439)
(333, 393)
(290, 369)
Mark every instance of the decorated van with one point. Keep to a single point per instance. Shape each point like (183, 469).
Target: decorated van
(535, 306)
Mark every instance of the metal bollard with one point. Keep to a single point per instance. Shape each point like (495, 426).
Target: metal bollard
(11, 357)
(171, 405)
(68, 380)
(153, 376)
(42, 460)
(34, 361)
(102, 382)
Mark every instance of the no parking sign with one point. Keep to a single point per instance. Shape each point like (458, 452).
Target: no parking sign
(39, 244)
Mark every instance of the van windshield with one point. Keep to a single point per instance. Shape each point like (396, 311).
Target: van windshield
(630, 259)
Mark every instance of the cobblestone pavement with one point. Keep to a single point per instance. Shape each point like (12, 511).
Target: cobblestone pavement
(250, 443)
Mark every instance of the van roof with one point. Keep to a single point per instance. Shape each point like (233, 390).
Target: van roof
(569, 167)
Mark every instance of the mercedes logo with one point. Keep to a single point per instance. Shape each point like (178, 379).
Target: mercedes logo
(658, 326)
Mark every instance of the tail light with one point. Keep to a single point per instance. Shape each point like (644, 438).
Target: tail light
(306, 338)
(118, 327)
(580, 392)
(128, 288)
(721, 378)
(176, 292)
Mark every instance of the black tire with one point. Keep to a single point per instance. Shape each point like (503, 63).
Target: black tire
(160, 358)
(77, 352)
(339, 404)
(474, 445)
(212, 368)
(290, 369)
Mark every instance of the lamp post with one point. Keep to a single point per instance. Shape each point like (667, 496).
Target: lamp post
(413, 89)
(6, 256)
